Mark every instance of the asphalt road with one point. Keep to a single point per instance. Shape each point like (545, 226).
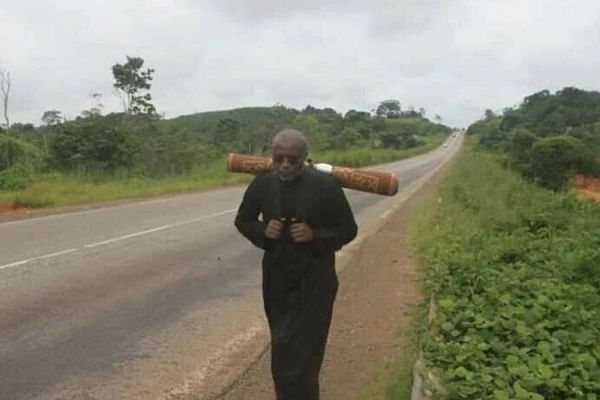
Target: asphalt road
(142, 300)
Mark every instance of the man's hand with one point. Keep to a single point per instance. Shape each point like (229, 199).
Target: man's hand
(274, 229)
(301, 233)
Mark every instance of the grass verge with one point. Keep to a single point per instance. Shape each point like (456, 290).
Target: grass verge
(515, 270)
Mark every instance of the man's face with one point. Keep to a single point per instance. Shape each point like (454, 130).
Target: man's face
(288, 159)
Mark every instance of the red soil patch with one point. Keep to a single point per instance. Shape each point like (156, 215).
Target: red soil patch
(588, 194)
(588, 188)
(9, 212)
(6, 207)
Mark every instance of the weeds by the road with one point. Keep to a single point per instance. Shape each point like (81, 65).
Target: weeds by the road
(62, 190)
(516, 271)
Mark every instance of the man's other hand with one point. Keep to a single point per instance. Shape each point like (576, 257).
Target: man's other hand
(301, 233)
(274, 229)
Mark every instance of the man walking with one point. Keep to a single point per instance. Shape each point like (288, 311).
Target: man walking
(305, 219)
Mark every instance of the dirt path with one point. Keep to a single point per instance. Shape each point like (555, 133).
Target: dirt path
(377, 296)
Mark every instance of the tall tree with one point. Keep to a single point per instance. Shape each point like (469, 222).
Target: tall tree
(5, 89)
(96, 106)
(388, 109)
(52, 117)
(132, 84)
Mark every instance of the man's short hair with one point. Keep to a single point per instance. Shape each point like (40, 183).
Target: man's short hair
(291, 135)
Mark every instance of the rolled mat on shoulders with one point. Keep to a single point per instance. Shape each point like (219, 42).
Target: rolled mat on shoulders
(366, 181)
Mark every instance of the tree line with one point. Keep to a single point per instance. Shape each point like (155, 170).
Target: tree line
(138, 142)
(548, 137)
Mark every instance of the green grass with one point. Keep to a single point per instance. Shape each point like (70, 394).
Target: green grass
(62, 190)
(52, 190)
(516, 271)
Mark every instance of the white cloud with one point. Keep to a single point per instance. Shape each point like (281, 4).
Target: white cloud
(454, 58)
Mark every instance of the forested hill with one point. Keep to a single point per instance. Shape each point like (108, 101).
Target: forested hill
(250, 129)
(548, 137)
(243, 128)
(252, 117)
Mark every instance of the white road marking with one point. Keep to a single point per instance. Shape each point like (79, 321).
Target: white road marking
(58, 253)
(16, 263)
(160, 228)
(37, 258)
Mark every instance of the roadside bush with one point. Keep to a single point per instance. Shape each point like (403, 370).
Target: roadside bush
(17, 154)
(12, 180)
(92, 146)
(514, 269)
(554, 160)
(519, 145)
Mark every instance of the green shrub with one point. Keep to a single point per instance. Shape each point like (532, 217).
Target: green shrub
(18, 154)
(32, 202)
(554, 160)
(13, 181)
(515, 270)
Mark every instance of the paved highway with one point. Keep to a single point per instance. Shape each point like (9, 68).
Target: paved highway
(144, 300)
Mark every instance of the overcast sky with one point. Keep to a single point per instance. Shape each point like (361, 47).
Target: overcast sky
(454, 58)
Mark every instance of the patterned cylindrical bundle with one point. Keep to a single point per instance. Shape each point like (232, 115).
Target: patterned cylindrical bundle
(351, 178)
(367, 181)
(248, 164)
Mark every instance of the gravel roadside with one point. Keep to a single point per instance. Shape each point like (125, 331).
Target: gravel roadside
(377, 299)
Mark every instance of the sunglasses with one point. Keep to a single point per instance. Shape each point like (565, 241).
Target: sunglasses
(290, 159)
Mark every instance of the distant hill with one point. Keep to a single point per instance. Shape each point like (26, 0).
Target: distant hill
(251, 129)
(249, 118)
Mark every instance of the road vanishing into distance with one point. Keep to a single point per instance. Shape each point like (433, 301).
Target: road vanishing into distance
(156, 299)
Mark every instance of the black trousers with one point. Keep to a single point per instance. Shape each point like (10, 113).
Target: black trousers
(299, 307)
